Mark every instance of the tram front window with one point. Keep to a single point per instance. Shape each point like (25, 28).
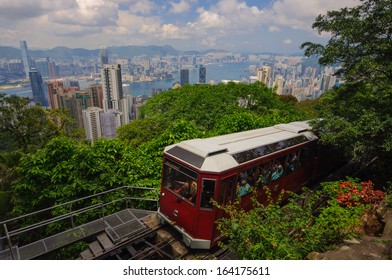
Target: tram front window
(180, 180)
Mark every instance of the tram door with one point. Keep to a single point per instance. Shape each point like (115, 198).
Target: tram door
(227, 190)
(205, 216)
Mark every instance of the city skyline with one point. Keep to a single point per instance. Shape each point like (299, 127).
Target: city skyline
(233, 25)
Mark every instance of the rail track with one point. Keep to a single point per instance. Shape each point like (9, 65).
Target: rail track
(159, 242)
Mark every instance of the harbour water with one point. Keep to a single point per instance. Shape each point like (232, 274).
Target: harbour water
(215, 73)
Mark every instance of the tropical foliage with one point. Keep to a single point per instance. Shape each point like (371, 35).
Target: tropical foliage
(294, 230)
(357, 116)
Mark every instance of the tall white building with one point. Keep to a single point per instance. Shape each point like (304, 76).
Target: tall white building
(110, 121)
(27, 63)
(113, 92)
(92, 123)
(264, 75)
(278, 83)
(111, 86)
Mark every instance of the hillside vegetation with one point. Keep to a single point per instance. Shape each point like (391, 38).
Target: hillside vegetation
(46, 169)
(39, 169)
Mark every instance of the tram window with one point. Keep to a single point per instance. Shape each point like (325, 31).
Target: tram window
(243, 186)
(207, 194)
(292, 162)
(226, 189)
(277, 169)
(180, 180)
(264, 175)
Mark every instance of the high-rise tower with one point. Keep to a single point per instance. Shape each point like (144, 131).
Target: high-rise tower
(37, 87)
(25, 57)
(202, 74)
(184, 76)
(92, 123)
(111, 86)
(103, 56)
(264, 75)
(278, 83)
(113, 96)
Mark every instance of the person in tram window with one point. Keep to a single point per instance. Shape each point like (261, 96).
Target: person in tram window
(264, 176)
(188, 190)
(292, 162)
(277, 172)
(243, 187)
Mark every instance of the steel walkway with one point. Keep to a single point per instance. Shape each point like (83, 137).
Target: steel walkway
(110, 229)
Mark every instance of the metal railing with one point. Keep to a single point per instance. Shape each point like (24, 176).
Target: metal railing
(13, 230)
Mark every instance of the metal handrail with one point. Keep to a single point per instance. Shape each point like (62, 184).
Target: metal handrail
(73, 201)
(70, 214)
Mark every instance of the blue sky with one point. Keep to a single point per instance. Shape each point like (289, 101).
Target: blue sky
(233, 25)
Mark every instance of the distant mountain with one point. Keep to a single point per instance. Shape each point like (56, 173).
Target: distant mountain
(9, 52)
(118, 51)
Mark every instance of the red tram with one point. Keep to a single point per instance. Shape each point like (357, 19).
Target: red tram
(223, 167)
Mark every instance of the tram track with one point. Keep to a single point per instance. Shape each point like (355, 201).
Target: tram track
(161, 242)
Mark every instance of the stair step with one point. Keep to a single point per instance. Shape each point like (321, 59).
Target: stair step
(105, 241)
(86, 254)
(95, 248)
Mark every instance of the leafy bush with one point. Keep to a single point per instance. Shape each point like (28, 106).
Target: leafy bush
(292, 231)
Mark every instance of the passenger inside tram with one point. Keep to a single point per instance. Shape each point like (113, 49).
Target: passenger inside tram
(264, 175)
(277, 171)
(243, 187)
(188, 190)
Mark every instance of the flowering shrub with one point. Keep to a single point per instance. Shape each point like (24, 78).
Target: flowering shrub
(353, 194)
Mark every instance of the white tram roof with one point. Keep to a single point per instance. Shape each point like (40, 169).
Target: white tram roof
(220, 153)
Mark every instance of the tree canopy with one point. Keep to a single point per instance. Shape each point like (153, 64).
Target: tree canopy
(209, 107)
(361, 41)
(25, 125)
(358, 115)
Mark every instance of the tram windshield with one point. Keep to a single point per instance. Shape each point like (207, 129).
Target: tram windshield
(180, 180)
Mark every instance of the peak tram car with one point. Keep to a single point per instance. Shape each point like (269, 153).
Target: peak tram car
(282, 157)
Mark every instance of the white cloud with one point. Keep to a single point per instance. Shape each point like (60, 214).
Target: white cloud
(287, 41)
(87, 13)
(144, 7)
(274, 28)
(210, 19)
(170, 31)
(180, 7)
(300, 14)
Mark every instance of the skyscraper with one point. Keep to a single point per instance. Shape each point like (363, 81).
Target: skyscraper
(111, 86)
(103, 56)
(92, 123)
(278, 83)
(42, 66)
(202, 74)
(184, 76)
(25, 57)
(264, 75)
(37, 87)
(113, 96)
(110, 121)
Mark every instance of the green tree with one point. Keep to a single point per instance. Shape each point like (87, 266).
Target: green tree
(361, 41)
(210, 106)
(26, 125)
(358, 115)
(140, 131)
